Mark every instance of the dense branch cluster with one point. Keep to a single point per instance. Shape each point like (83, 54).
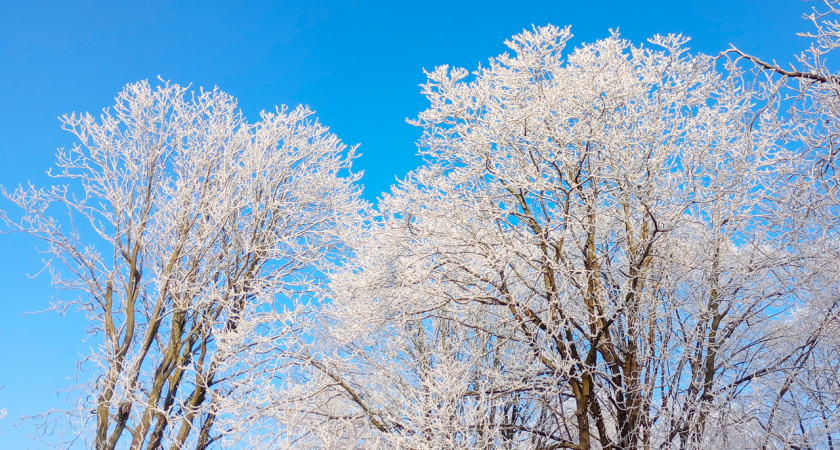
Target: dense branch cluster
(202, 222)
(603, 250)
(612, 247)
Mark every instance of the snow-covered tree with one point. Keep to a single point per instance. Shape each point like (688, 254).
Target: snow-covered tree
(600, 251)
(614, 247)
(803, 411)
(187, 232)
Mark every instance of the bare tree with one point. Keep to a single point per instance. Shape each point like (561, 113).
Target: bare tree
(188, 231)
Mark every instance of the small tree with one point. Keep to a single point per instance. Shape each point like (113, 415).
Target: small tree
(205, 227)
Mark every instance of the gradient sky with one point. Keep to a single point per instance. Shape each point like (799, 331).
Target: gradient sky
(357, 64)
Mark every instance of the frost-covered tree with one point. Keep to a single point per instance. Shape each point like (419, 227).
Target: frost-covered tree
(614, 247)
(186, 232)
(804, 410)
(601, 251)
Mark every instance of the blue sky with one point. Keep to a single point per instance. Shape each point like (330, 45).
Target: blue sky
(358, 64)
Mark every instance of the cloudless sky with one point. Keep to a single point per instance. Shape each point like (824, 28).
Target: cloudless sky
(358, 64)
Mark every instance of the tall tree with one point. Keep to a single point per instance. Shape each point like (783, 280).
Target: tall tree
(591, 257)
(187, 232)
(803, 412)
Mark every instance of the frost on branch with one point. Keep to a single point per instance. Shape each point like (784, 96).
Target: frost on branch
(615, 246)
(598, 253)
(187, 232)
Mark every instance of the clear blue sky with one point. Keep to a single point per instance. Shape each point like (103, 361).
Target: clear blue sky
(358, 64)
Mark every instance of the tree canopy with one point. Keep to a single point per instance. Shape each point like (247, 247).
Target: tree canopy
(615, 246)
